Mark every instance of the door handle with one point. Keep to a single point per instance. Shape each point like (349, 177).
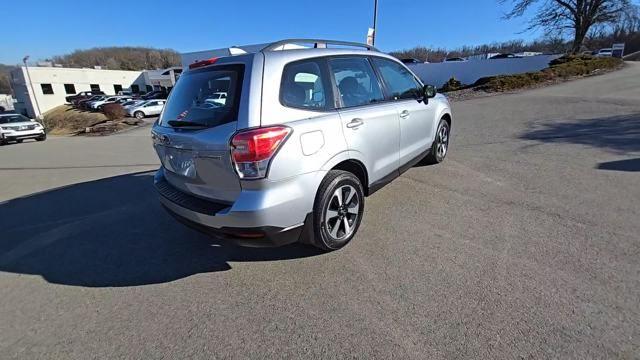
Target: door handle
(355, 123)
(404, 114)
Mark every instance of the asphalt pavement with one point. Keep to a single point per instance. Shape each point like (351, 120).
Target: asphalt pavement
(524, 243)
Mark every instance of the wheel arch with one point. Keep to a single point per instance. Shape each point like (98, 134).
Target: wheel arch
(358, 169)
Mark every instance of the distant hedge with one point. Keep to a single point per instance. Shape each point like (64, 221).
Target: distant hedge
(561, 68)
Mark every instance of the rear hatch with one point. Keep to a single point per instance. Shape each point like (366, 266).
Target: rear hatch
(194, 130)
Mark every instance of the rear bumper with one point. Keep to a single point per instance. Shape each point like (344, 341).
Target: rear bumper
(246, 226)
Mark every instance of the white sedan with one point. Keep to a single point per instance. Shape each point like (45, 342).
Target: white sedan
(16, 127)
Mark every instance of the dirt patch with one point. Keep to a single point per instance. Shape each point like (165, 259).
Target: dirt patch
(66, 120)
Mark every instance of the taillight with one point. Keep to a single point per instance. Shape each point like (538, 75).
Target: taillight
(252, 150)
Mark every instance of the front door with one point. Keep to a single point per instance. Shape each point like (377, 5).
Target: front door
(370, 126)
(416, 117)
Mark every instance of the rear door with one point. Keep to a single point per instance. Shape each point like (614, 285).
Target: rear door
(371, 126)
(193, 133)
(416, 117)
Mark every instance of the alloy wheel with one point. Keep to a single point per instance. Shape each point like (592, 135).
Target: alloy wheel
(442, 139)
(341, 214)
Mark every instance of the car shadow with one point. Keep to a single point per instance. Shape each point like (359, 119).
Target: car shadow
(631, 165)
(113, 232)
(619, 134)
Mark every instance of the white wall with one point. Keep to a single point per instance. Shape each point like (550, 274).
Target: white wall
(468, 72)
(57, 77)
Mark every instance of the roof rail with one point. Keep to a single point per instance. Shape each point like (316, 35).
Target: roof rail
(317, 43)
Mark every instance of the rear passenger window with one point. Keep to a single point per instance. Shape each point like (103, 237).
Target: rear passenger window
(401, 83)
(303, 86)
(357, 84)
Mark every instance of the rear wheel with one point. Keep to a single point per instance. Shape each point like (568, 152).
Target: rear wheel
(19, 141)
(139, 115)
(440, 147)
(338, 210)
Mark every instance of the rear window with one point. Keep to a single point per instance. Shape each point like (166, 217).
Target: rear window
(197, 97)
(304, 85)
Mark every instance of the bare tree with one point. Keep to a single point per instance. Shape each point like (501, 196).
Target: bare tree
(574, 15)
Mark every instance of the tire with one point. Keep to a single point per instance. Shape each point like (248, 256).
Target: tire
(139, 115)
(43, 137)
(334, 232)
(440, 146)
(19, 141)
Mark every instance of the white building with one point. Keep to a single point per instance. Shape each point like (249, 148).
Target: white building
(51, 85)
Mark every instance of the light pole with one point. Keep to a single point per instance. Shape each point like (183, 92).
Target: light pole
(375, 21)
(24, 60)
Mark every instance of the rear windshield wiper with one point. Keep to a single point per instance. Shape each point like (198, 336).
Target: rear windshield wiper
(182, 123)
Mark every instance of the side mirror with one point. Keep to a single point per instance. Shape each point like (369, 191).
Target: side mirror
(429, 91)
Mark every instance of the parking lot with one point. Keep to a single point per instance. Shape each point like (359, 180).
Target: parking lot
(525, 243)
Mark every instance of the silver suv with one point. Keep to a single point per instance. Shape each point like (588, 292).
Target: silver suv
(303, 135)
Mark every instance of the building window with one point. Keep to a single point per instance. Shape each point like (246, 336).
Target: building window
(135, 89)
(149, 88)
(47, 89)
(95, 87)
(117, 88)
(69, 88)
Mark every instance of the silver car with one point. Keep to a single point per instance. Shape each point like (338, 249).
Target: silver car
(304, 135)
(147, 108)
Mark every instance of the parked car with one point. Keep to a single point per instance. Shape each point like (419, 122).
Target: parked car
(121, 101)
(133, 102)
(148, 108)
(16, 127)
(303, 137)
(95, 105)
(158, 94)
(85, 103)
(604, 53)
(411, 61)
(82, 95)
(505, 56)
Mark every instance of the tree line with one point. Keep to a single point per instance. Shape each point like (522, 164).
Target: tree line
(120, 58)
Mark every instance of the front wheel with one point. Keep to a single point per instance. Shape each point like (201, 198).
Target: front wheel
(440, 147)
(42, 137)
(338, 210)
(139, 115)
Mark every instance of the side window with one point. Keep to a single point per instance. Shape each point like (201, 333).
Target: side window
(303, 86)
(356, 82)
(401, 83)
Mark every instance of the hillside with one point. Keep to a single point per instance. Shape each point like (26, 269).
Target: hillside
(5, 85)
(121, 58)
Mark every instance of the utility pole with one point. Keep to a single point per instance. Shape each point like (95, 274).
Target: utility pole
(375, 22)
(24, 60)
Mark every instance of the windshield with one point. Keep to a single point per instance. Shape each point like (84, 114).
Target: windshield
(197, 98)
(7, 119)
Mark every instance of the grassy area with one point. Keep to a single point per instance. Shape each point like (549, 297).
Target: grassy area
(65, 119)
(563, 68)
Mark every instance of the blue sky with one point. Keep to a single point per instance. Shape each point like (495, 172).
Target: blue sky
(59, 27)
